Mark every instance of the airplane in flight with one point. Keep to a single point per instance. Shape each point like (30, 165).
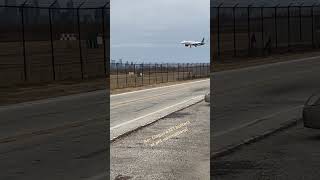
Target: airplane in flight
(193, 43)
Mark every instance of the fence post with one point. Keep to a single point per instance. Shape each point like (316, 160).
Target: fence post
(183, 69)
(203, 67)
(126, 70)
(234, 31)
(312, 26)
(173, 72)
(24, 43)
(188, 71)
(149, 72)
(135, 76)
(289, 40)
(117, 71)
(167, 72)
(249, 43)
(80, 46)
(218, 34)
(199, 74)
(276, 25)
(262, 29)
(51, 43)
(104, 41)
(193, 67)
(178, 71)
(161, 71)
(142, 73)
(300, 24)
(195, 70)
(155, 71)
(117, 66)
(200, 70)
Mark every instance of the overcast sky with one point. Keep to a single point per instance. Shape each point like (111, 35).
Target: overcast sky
(151, 30)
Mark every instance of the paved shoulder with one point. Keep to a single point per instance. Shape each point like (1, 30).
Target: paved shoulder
(292, 154)
(175, 147)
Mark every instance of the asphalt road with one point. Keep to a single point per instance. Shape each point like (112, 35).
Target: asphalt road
(244, 95)
(130, 106)
(59, 138)
(65, 137)
(183, 156)
(291, 154)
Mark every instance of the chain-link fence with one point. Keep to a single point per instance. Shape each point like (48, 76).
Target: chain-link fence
(42, 44)
(258, 31)
(123, 75)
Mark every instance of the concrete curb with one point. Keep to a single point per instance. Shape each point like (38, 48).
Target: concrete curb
(130, 126)
(253, 139)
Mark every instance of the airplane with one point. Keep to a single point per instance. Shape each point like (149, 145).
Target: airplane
(193, 43)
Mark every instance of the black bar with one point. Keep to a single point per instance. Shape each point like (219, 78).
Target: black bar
(24, 45)
(80, 48)
(51, 43)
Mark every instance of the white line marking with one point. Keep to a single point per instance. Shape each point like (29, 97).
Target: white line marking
(143, 90)
(136, 119)
(114, 105)
(221, 133)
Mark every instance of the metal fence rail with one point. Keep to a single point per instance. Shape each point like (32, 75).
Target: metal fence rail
(258, 31)
(135, 75)
(42, 44)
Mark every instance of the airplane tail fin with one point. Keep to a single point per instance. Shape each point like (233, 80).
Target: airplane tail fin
(202, 40)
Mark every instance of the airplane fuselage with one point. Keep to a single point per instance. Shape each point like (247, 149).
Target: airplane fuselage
(192, 43)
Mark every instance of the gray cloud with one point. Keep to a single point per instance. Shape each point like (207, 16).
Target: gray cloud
(152, 29)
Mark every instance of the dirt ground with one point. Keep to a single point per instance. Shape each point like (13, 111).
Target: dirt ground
(23, 93)
(246, 62)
